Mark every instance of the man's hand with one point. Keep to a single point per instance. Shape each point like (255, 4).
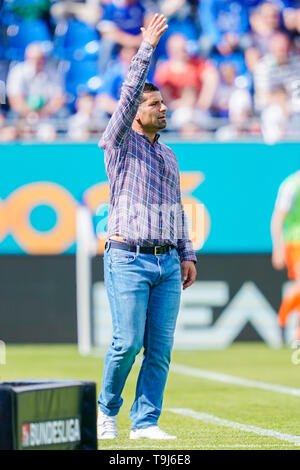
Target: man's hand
(188, 273)
(155, 29)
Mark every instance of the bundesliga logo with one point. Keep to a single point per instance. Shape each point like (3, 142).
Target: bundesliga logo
(25, 434)
(50, 432)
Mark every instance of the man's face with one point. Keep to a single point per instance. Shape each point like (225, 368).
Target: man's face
(152, 112)
(35, 56)
(279, 47)
(270, 15)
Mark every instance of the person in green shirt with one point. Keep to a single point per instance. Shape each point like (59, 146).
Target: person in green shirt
(285, 230)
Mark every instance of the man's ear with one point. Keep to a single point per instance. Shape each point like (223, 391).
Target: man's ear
(137, 116)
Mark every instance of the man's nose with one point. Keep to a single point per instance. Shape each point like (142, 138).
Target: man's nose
(163, 107)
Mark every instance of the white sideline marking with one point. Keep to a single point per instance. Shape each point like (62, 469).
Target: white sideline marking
(189, 447)
(231, 379)
(235, 425)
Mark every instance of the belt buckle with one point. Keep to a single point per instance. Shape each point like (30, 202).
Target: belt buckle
(158, 246)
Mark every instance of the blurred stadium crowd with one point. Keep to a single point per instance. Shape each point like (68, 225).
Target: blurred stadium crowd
(228, 69)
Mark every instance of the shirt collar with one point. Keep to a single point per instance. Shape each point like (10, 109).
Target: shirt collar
(157, 136)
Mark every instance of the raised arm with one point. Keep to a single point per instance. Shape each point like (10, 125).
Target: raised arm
(121, 120)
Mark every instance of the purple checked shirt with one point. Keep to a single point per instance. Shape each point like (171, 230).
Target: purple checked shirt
(145, 200)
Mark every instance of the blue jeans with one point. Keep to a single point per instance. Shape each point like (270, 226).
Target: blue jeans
(144, 294)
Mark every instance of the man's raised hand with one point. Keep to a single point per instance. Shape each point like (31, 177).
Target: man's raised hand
(157, 26)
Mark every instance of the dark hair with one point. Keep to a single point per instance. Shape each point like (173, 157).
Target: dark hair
(148, 88)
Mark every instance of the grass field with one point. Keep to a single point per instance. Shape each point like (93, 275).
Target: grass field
(205, 410)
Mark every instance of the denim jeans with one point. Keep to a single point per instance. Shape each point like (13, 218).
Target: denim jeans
(144, 294)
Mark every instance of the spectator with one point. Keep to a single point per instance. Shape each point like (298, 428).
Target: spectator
(120, 25)
(83, 124)
(3, 71)
(182, 17)
(188, 84)
(288, 10)
(18, 10)
(275, 116)
(76, 36)
(191, 130)
(291, 16)
(292, 24)
(223, 23)
(26, 22)
(278, 68)
(240, 118)
(286, 241)
(264, 21)
(8, 132)
(113, 79)
(88, 11)
(226, 87)
(34, 91)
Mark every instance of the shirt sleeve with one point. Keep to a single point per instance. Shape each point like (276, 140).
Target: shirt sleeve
(286, 195)
(121, 120)
(184, 244)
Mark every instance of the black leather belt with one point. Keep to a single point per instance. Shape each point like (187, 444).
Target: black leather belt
(154, 250)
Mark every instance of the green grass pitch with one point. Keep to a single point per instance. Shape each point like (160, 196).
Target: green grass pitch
(252, 407)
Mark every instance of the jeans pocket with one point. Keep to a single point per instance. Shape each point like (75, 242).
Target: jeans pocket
(175, 255)
(119, 257)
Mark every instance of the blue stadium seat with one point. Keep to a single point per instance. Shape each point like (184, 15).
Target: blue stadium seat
(1, 47)
(76, 40)
(22, 33)
(82, 77)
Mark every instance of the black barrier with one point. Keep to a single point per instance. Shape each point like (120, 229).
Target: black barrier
(38, 299)
(58, 415)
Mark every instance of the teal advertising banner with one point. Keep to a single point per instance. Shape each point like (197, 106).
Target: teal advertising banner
(42, 185)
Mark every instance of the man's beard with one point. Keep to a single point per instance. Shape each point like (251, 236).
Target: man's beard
(161, 124)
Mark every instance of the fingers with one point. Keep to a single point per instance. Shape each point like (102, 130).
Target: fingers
(184, 271)
(188, 276)
(156, 28)
(162, 30)
(153, 20)
(189, 280)
(161, 22)
(157, 21)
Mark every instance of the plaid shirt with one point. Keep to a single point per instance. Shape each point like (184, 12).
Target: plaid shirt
(145, 201)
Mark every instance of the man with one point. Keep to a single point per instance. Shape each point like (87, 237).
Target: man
(279, 68)
(188, 83)
(285, 228)
(223, 24)
(265, 22)
(120, 25)
(34, 89)
(141, 263)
